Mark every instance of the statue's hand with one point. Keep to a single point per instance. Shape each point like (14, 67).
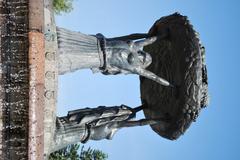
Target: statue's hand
(126, 56)
(122, 55)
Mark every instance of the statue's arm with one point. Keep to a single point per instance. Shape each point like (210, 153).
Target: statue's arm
(109, 56)
(89, 123)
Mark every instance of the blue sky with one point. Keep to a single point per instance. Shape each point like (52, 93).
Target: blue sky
(215, 135)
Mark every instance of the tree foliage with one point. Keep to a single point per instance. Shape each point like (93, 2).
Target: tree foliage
(92, 154)
(62, 6)
(71, 153)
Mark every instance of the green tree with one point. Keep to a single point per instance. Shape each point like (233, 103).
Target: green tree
(71, 153)
(92, 154)
(62, 6)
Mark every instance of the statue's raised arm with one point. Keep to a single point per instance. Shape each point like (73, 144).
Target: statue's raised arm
(109, 56)
(96, 124)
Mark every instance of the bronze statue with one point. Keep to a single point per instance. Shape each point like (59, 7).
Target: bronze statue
(171, 49)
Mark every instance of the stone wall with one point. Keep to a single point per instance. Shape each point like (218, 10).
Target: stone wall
(14, 88)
